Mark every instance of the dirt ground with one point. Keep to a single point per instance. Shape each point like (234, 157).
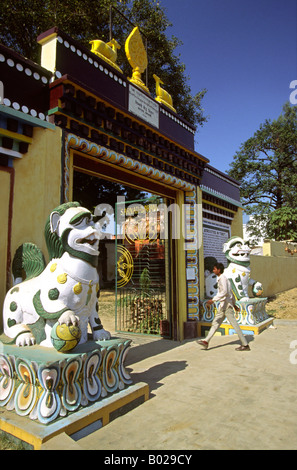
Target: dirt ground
(283, 305)
(107, 309)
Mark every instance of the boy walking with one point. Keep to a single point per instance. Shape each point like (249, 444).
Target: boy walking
(226, 306)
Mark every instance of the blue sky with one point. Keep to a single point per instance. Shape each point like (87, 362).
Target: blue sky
(244, 52)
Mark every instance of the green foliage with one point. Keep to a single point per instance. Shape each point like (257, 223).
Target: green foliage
(21, 21)
(266, 166)
(285, 220)
(9, 442)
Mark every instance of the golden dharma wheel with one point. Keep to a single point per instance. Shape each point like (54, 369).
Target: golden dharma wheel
(135, 51)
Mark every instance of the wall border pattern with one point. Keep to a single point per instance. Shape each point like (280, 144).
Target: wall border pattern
(105, 154)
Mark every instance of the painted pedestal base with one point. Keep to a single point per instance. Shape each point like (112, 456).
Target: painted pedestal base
(252, 318)
(75, 425)
(44, 386)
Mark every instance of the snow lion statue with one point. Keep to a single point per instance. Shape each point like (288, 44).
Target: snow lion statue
(65, 292)
(237, 253)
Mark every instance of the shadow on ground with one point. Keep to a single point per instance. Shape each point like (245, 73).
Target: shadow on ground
(144, 347)
(154, 376)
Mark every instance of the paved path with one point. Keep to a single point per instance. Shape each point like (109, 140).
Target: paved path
(213, 399)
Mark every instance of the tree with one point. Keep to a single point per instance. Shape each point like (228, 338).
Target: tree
(21, 21)
(266, 166)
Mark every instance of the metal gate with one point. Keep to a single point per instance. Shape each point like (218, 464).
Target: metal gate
(143, 293)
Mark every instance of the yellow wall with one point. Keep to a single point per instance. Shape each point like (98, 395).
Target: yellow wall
(272, 248)
(236, 226)
(37, 188)
(277, 274)
(276, 269)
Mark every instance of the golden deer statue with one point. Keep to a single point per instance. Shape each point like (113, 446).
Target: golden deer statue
(162, 96)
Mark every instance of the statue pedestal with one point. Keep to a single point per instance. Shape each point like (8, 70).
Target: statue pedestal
(44, 392)
(252, 317)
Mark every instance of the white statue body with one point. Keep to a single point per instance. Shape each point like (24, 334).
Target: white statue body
(238, 271)
(67, 289)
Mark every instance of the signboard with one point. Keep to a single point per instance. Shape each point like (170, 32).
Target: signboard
(214, 237)
(143, 106)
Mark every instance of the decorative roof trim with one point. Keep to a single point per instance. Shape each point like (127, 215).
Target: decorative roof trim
(24, 117)
(110, 156)
(222, 196)
(176, 118)
(222, 176)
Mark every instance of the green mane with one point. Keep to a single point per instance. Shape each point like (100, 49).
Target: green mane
(28, 261)
(53, 242)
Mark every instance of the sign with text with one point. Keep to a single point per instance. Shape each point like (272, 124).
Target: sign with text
(143, 106)
(214, 237)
